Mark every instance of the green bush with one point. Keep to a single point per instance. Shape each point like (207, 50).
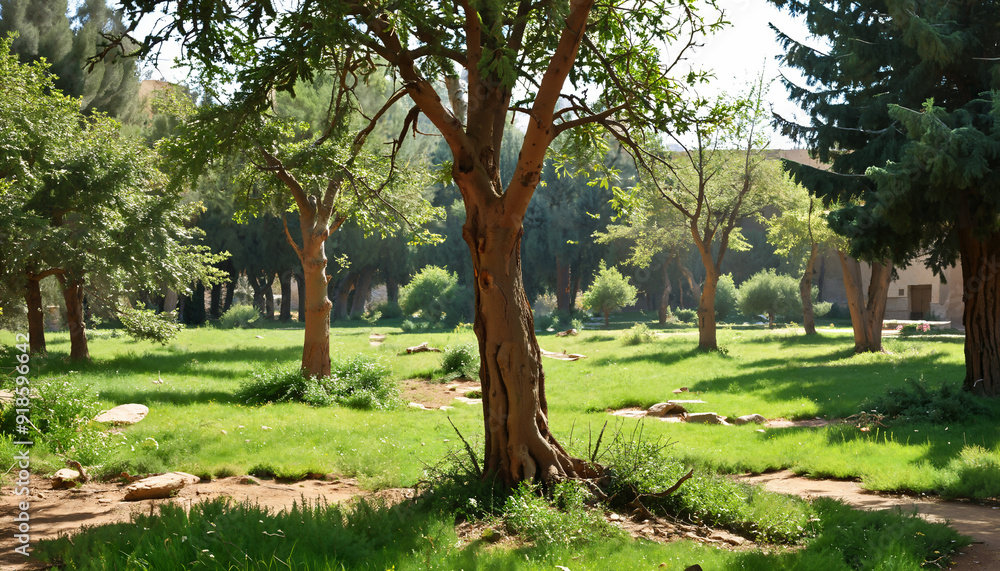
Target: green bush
(239, 316)
(726, 298)
(686, 315)
(359, 382)
(461, 361)
(564, 521)
(144, 324)
(637, 335)
(436, 294)
(609, 293)
(915, 401)
(772, 294)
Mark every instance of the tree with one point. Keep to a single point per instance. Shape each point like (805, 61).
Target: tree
(941, 196)
(325, 175)
(593, 61)
(883, 54)
(799, 233)
(610, 292)
(714, 187)
(771, 294)
(45, 30)
(84, 204)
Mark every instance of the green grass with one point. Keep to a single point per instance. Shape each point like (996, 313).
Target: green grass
(197, 425)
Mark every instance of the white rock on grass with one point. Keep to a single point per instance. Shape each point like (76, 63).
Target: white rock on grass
(158, 486)
(747, 419)
(124, 414)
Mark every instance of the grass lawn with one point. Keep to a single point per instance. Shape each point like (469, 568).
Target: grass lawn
(196, 425)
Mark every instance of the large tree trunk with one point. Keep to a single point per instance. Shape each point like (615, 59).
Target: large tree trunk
(36, 317)
(269, 298)
(312, 296)
(665, 297)
(562, 286)
(73, 294)
(866, 315)
(981, 274)
(285, 314)
(362, 292)
(805, 292)
(519, 445)
(392, 289)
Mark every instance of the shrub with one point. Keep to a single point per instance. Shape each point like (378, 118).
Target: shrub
(915, 401)
(360, 382)
(566, 521)
(436, 294)
(239, 316)
(771, 294)
(637, 335)
(545, 304)
(726, 298)
(686, 315)
(461, 361)
(610, 292)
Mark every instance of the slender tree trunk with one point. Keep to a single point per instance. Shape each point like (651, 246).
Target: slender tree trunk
(215, 305)
(770, 319)
(562, 286)
(707, 334)
(234, 280)
(73, 294)
(519, 445)
(665, 297)
(981, 274)
(343, 292)
(805, 292)
(269, 297)
(362, 292)
(866, 316)
(286, 297)
(36, 317)
(257, 285)
(392, 289)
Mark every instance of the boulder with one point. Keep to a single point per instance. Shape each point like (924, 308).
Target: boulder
(706, 418)
(747, 419)
(158, 486)
(664, 409)
(64, 479)
(124, 414)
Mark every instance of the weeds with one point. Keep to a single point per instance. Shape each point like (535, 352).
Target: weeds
(359, 382)
(916, 402)
(239, 316)
(637, 335)
(460, 361)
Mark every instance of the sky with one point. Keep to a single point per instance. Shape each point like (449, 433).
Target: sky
(736, 55)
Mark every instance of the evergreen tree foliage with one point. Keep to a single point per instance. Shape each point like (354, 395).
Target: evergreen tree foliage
(930, 188)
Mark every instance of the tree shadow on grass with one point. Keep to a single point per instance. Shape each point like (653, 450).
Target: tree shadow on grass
(664, 358)
(166, 396)
(190, 363)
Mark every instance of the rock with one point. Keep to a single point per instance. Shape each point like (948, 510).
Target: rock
(747, 419)
(680, 390)
(706, 418)
(417, 406)
(421, 348)
(124, 414)
(249, 480)
(467, 400)
(64, 478)
(689, 401)
(158, 486)
(664, 409)
(567, 333)
(446, 407)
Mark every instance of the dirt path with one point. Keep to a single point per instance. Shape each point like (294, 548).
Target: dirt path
(980, 522)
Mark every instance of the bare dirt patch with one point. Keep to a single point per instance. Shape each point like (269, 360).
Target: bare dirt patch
(60, 512)
(980, 522)
(434, 394)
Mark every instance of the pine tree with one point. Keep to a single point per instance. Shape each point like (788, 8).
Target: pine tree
(45, 30)
(886, 59)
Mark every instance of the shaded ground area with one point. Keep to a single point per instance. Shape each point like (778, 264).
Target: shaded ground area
(980, 522)
(433, 394)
